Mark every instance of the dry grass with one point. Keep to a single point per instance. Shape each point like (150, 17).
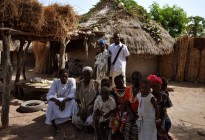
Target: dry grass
(59, 20)
(183, 44)
(8, 10)
(41, 52)
(31, 15)
(54, 20)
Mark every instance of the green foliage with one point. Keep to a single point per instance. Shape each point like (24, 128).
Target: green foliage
(173, 19)
(196, 26)
(154, 31)
(130, 6)
(133, 8)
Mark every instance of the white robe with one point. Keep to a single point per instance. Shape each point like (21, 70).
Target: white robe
(146, 122)
(61, 91)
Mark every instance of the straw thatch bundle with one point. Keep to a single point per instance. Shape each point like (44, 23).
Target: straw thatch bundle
(166, 66)
(193, 63)
(41, 52)
(8, 10)
(59, 20)
(196, 69)
(30, 15)
(182, 45)
(199, 43)
(202, 68)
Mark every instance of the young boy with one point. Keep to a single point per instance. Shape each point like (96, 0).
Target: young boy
(103, 108)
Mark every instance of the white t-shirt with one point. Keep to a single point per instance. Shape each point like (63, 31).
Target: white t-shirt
(120, 64)
(105, 107)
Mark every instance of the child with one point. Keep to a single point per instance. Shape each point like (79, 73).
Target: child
(162, 102)
(167, 104)
(165, 92)
(120, 95)
(103, 108)
(147, 112)
(130, 129)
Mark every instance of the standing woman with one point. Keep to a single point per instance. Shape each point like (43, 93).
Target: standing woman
(86, 92)
(61, 100)
(131, 130)
(101, 63)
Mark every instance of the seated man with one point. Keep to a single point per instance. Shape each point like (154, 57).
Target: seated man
(61, 100)
(85, 97)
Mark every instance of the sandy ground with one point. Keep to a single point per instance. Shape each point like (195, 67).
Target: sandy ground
(187, 115)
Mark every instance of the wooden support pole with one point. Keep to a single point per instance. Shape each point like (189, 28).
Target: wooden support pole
(19, 67)
(25, 54)
(7, 78)
(19, 61)
(85, 43)
(63, 45)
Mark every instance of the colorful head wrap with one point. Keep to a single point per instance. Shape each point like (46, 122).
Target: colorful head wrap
(153, 79)
(87, 68)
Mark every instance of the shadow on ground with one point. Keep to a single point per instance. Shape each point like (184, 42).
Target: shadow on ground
(39, 130)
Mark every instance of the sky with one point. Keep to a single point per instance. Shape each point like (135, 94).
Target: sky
(191, 7)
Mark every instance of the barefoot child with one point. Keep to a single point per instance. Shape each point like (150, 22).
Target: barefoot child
(103, 108)
(147, 112)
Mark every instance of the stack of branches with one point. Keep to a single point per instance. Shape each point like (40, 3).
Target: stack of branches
(59, 20)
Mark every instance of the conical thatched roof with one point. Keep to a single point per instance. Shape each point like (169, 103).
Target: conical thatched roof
(142, 36)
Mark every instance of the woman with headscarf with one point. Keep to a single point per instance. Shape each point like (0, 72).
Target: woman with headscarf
(101, 63)
(61, 100)
(86, 92)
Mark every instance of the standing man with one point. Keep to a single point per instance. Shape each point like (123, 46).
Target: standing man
(118, 58)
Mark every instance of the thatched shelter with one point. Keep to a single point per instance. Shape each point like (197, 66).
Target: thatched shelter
(27, 21)
(145, 38)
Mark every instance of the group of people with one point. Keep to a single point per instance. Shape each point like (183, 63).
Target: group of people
(112, 110)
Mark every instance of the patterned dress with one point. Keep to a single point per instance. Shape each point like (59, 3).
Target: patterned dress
(121, 113)
(131, 129)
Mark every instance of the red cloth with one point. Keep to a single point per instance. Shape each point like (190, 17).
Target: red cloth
(131, 98)
(154, 79)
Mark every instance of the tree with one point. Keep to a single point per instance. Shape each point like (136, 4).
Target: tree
(196, 26)
(173, 19)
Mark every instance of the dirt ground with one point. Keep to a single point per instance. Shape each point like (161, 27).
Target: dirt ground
(187, 116)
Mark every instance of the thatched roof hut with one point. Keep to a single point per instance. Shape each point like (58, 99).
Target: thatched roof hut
(140, 35)
(145, 38)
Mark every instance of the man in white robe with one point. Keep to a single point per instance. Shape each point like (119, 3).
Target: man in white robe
(61, 100)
